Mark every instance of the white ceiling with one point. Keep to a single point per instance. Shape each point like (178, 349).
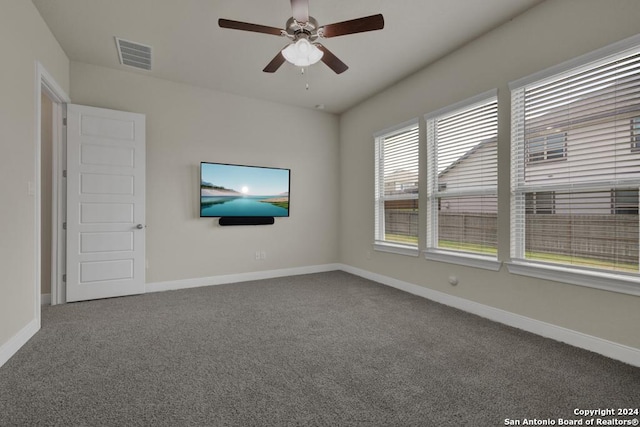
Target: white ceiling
(189, 47)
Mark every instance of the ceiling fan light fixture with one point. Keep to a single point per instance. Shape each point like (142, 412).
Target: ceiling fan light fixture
(302, 53)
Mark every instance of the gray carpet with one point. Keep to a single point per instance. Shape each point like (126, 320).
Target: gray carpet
(327, 349)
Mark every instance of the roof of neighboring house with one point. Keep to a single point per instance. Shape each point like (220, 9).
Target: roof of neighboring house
(466, 155)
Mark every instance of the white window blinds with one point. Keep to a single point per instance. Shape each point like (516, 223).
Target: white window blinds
(462, 176)
(576, 166)
(396, 192)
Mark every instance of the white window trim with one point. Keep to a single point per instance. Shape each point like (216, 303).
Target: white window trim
(615, 282)
(598, 279)
(381, 245)
(570, 65)
(465, 103)
(432, 252)
(396, 128)
(462, 258)
(394, 248)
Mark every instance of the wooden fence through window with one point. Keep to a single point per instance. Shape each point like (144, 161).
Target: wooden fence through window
(610, 238)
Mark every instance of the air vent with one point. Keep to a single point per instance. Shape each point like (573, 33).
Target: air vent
(134, 54)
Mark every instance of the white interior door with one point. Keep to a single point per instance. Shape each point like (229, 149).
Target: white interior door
(105, 203)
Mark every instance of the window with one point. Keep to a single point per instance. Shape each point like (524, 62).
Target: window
(547, 147)
(581, 213)
(541, 202)
(462, 177)
(635, 134)
(624, 202)
(396, 193)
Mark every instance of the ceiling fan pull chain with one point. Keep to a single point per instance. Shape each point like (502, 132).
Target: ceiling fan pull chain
(302, 72)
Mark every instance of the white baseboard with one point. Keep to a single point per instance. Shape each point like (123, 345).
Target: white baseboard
(12, 346)
(45, 299)
(235, 278)
(606, 348)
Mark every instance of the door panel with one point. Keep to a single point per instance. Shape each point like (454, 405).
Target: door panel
(107, 213)
(106, 184)
(101, 271)
(106, 242)
(111, 156)
(105, 203)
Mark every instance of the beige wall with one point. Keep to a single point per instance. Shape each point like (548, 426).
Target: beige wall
(550, 33)
(187, 125)
(24, 39)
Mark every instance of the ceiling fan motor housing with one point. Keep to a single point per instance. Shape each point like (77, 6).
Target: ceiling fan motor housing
(308, 30)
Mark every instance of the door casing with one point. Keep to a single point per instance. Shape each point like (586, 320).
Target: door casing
(46, 84)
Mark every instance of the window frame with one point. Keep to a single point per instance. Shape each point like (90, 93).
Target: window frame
(635, 134)
(620, 204)
(533, 199)
(543, 156)
(436, 191)
(627, 283)
(380, 244)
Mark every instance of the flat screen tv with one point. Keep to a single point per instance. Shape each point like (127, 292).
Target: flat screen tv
(228, 190)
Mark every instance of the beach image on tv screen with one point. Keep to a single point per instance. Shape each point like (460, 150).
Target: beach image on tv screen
(235, 190)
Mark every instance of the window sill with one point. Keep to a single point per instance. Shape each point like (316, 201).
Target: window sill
(396, 249)
(592, 279)
(469, 260)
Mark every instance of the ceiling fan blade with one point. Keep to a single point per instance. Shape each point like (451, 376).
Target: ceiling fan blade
(275, 63)
(360, 25)
(300, 9)
(332, 61)
(245, 26)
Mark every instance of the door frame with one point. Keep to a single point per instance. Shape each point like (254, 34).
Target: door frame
(45, 83)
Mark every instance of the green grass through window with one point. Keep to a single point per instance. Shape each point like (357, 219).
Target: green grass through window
(534, 256)
(468, 247)
(581, 261)
(401, 238)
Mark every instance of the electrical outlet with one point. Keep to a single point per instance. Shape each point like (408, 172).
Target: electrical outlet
(263, 255)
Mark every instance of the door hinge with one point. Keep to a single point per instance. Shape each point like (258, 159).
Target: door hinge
(64, 121)
(64, 173)
(64, 277)
(64, 225)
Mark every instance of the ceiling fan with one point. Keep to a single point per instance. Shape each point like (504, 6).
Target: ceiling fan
(303, 31)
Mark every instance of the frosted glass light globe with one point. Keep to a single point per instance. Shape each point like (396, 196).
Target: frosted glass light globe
(302, 53)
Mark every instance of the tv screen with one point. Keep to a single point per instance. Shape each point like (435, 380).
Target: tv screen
(243, 191)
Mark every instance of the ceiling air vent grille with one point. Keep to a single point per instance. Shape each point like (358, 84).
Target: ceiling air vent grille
(134, 54)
